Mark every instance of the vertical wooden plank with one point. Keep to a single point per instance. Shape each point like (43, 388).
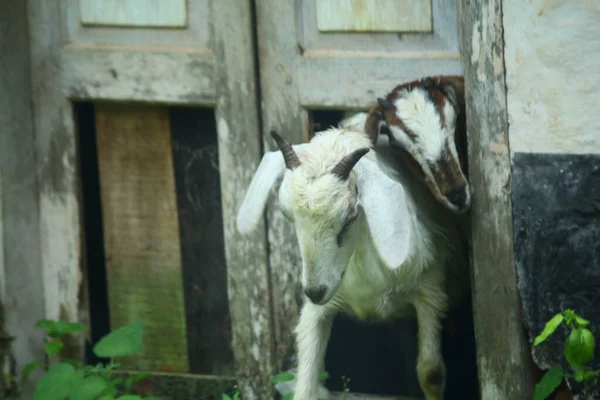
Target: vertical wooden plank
(196, 167)
(57, 172)
(281, 111)
(22, 291)
(503, 352)
(141, 231)
(239, 155)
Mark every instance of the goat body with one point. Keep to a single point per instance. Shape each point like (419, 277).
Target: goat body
(374, 243)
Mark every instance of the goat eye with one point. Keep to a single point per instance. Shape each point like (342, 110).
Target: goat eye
(345, 228)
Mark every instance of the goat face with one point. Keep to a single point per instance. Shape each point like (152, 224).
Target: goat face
(421, 121)
(322, 204)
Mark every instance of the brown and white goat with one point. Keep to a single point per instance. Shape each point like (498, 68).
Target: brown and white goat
(425, 121)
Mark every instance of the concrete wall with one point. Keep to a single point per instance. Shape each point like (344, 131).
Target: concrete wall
(552, 59)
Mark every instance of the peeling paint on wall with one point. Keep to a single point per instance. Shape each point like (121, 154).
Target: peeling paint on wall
(552, 63)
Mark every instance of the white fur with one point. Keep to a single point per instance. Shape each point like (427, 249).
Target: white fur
(355, 121)
(393, 260)
(420, 115)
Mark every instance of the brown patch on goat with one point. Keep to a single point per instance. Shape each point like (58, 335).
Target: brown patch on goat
(435, 376)
(447, 173)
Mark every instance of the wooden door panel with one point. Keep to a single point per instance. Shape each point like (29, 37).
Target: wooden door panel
(80, 58)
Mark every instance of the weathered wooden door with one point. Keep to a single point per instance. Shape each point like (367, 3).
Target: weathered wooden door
(157, 99)
(319, 56)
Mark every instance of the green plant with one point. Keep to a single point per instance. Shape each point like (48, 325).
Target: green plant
(235, 396)
(579, 349)
(71, 379)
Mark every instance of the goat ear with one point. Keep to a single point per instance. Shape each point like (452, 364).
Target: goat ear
(450, 93)
(269, 173)
(375, 123)
(384, 203)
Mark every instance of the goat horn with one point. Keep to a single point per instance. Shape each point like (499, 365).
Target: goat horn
(289, 155)
(385, 104)
(342, 169)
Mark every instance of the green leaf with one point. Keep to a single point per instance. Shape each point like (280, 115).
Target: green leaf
(29, 368)
(579, 347)
(549, 329)
(579, 375)
(236, 396)
(225, 397)
(57, 329)
(45, 324)
(288, 396)
(323, 376)
(116, 381)
(140, 376)
(122, 342)
(130, 397)
(53, 347)
(581, 322)
(56, 383)
(587, 375)
(74, 327)
(550, 381)
(89, 388)
(74, 363)
(282, 377)
(112, 391)
(106, 397)
(569, 316)
(152, 398)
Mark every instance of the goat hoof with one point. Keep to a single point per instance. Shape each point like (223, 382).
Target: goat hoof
(432, 382)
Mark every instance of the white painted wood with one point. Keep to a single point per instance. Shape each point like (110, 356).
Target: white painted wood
(374, 15)
(238, 128)
(2, 273)
(23, 285)
(323, 81)
(196, 34)
(121, 74)
(552, 63)
(162, 13)
(443, 36)
(505, 370)
(106, 63)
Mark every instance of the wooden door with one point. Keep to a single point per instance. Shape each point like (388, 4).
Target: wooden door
(319, 58)
(152, 98)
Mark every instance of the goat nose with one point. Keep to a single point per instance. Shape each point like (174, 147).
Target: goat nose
(458, 197)
(316, 293)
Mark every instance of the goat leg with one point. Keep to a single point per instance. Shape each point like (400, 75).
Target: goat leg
(431, 370)
(312, 334)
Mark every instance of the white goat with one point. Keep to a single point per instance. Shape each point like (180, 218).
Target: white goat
(374, 245)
